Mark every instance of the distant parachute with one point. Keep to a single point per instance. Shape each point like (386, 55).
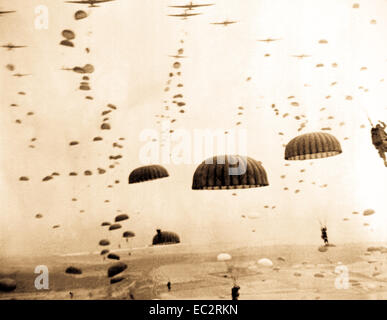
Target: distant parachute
(80, 14)
(7, 285)
(38, 216)
(121, 217)
(104, 251)
(116, 269)
(128, 234)
(147, 173)
(73, 270)
(67, 43)
(229, 172)
(115, 226)
(117, 279)
(165, 238)
(323, 249)
(113, 256)
(88, 68)
(314, 145)
(223, 257)
(253, 216)
(68, 34)
(177, 65)
(105, 223)
(265, 262)
(104, 242)
(368, 212)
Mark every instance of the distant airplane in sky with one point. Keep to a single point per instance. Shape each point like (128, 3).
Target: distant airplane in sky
(225, 23)
(5, 12)
(10, 46)
(301, 56)
(91, 3)
(21, 75)
(269, 40)
(191, 6)
(184, 15)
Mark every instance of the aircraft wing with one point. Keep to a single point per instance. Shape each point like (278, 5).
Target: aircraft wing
(192, 6)
(184, 15)
(3, 12)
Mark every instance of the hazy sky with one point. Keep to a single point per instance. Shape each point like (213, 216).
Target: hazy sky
(130, 42)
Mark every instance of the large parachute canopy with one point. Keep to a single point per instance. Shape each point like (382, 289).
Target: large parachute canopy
(115, 226)
(229, 172)
(165, 238)
(147, 173)
(313, 145)
(104, 242)
(265, 262)
(128, 234)
(116, 269)
(121, 217)
(223, 257)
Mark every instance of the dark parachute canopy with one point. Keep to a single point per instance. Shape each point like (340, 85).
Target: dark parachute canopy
(68, 34)
(116, 269)
(313, 145)
(113, 256)
(116, 279)
(73, 270)
(128, 234)
(104, 251)
(229, 172)
(121, 217)
(7, 285)
(105, 223)
(67, 43)
(165, 237)
(115, 226)
(80, 14)
(148, 173)
(104, 242)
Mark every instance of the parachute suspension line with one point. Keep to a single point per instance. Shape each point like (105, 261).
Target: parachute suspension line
(367, 115)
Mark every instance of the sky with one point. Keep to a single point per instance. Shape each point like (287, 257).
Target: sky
(225, 68)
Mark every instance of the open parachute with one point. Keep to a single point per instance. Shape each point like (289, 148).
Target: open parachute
(165, 238)
(147, 173)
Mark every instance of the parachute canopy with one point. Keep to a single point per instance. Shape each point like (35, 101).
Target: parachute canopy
(116, 269)
(73, 270)
(121, 217)
(7, 285)
(67, 43)
(80, 14)
(113, 256)
(223, 257)
(103, 252)
(147, 173)
(368, 212)
(116, 279)
(68, 34)
(229, 172)
(165, 238)
(128, 234)
(313, 145)
(265, 262)
(105, 223)
(104, 242)
(115, 226)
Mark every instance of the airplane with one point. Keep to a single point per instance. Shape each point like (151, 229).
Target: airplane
(184, 15)
(21, 75)
(91, 3)
(10, 46)
(191, 6)
(178, 57)
(4, 12)
(301, 56)
(225, 23)
(269, 40)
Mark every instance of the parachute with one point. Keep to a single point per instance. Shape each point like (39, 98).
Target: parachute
(229, 172)
(253, 216)
(103, 252)
(104, 224)
(73, 270)
(313, 145)
(121, 217)
(113, 256)
(68, 34)
(117, 279)
(165, 238)
(147, 173)
(104, 242)
(7, 285)
(265, 262)
(115, 226)
(128, 234)
(116, 269)
(88, 68)
(80, 14)
(67, 43)
(223, 257)
(368, 212)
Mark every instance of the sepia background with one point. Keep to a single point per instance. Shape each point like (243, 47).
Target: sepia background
(130, 42)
